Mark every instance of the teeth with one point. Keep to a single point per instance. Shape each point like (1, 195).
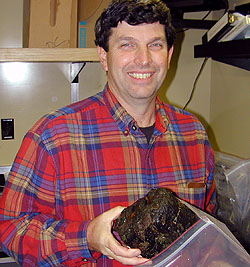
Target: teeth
(140, 75)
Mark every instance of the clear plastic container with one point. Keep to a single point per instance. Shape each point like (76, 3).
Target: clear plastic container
(227, 160)
(232, 180)
(239, 177)
(208, 243)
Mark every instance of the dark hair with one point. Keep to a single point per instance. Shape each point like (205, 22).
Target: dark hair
(133, 12)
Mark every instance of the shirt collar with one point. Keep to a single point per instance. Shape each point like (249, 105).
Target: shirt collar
(123, 119)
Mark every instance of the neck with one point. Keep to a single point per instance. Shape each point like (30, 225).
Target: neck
(144, 114)
(142, 109)
(145, 120)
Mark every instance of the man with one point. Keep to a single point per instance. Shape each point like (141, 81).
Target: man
(80, 166)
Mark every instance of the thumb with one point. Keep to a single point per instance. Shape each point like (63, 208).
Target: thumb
(113, 213)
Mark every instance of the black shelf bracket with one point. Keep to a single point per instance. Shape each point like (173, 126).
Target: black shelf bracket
(193, 23)
(236, 52)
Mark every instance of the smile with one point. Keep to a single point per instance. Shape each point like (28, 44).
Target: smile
(140, 75)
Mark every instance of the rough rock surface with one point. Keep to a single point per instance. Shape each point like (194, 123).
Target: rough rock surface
(154, 222)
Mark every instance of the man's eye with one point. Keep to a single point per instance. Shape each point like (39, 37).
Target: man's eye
(156, 45)
(126, 45)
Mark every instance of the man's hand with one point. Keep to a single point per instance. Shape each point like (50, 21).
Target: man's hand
(100, 239)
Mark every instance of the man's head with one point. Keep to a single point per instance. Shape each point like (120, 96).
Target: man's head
(135, 46)
(133, 12)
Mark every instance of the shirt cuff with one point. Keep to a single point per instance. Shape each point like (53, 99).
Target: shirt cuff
(76, 242)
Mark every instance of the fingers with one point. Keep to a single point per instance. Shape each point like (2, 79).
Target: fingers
(114, 213)
(132, 257)
(101, 239)
(127, 256)
(117, 249)
(99, 229)
(132, 261)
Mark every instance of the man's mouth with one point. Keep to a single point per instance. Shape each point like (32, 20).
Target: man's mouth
(141, 76)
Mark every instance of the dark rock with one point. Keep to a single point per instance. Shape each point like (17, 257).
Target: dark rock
(154, 222)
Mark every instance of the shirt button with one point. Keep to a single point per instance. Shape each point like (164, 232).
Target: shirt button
(134, 127)
(85, 260)
(126, 132)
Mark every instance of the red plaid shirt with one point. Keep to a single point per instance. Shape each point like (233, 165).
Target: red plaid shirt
(86, 158)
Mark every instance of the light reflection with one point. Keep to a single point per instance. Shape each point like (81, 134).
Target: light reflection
(15, 72)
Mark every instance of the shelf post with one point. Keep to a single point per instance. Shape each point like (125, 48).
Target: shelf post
(76, 68)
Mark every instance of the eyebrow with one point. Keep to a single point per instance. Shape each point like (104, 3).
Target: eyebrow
(128, 38)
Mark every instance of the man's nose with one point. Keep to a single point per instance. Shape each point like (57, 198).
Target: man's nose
(143, 56)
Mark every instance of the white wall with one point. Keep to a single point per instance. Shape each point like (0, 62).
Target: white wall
(11, 23)
(230, 109)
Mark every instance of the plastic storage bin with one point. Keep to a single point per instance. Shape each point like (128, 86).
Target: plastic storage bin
(208, 243)
(232, 179)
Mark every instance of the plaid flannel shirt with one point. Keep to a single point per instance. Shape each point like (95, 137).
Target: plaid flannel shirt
(87, 158)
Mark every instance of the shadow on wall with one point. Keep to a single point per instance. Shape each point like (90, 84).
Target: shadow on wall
(209, 130)
(173, 66)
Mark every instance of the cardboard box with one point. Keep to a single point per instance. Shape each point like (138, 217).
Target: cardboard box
(88, 13)
(50, 23)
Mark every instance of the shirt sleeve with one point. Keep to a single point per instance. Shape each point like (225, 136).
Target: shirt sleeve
(31, 230)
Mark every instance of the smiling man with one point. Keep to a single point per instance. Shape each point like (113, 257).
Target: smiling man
(78, 167)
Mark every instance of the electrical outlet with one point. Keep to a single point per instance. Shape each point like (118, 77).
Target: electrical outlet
(7, 126)
(2, 182)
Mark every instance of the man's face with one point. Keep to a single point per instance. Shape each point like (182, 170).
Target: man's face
(137, 61)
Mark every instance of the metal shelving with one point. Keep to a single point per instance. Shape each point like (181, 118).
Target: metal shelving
(236, 52)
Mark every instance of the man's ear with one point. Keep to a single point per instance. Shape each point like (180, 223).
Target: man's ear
(170, 53)
(103, 57)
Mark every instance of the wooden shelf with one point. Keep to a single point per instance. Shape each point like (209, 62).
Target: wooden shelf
(48, 55)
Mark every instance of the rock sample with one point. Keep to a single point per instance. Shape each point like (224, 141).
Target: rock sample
(153, 222)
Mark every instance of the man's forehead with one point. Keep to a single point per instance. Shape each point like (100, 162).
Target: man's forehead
(124, 29)
(137, 25)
